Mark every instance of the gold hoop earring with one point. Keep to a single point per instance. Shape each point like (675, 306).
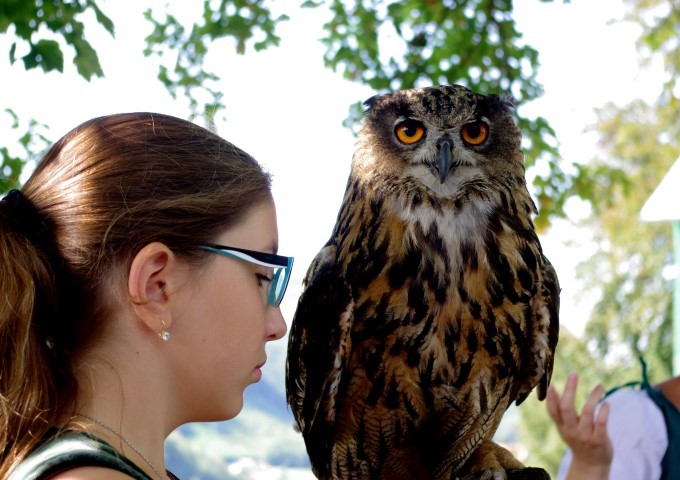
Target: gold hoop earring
(163, 334)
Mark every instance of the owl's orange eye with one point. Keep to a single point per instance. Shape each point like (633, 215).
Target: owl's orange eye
(409, 131)
(475, 133)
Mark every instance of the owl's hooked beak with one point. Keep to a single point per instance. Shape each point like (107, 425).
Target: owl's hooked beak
(444, 160)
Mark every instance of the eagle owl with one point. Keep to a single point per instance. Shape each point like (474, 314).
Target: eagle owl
(432, 307)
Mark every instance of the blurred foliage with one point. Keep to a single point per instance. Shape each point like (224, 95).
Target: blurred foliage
(36, 23)
(414, 43)
(634, 314)
(41, 30)
(30, 143)
(639, 143)
(385, 44)
(633, 317)
(244, 21)
(659, 20)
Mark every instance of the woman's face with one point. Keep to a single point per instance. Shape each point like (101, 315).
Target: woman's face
(225, 322)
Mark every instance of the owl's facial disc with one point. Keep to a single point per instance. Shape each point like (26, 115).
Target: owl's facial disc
(444, 160)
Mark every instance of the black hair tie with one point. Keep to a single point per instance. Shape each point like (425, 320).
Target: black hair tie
(24, 218)
(14, 198)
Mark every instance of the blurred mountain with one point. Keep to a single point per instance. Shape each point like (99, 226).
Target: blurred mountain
(260, 443)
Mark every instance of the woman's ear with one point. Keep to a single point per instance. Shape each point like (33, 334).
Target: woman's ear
(152, 269)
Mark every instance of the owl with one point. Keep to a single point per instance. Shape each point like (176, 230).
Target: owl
(432, 307)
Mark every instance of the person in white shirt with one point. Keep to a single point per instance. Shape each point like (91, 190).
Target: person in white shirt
(622, 438)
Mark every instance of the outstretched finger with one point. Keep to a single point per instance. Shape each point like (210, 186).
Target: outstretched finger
(567, 409)
(553, 404)
(586, 421)
(600, 423)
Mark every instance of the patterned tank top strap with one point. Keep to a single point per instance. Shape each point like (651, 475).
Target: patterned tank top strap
(66, 450)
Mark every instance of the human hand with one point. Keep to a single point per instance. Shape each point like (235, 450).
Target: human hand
(585, 434)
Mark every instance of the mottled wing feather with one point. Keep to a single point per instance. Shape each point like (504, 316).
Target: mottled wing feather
(318, 350)
(546, 309)
(544, 332)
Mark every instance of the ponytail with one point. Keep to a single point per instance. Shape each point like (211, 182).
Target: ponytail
(32, 365)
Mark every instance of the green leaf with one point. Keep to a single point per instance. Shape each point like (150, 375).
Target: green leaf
(102, 18)
(47, 54)
(32, 142)
(86, 60)
(15, 117)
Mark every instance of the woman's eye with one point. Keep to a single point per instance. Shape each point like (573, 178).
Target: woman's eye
(262, 279)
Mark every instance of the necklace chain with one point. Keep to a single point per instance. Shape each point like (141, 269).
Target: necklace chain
(127, 442)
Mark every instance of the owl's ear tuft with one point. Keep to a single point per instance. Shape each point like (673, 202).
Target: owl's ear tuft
(508, 101)
(371, 102)
(493, 104)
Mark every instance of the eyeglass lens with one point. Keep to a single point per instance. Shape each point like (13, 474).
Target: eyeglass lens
(278, 287)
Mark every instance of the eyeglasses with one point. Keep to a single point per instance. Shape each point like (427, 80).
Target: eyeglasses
(282, 267)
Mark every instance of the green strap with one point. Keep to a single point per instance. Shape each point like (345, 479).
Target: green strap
(73, 450)
(636, 383)
(644, 383)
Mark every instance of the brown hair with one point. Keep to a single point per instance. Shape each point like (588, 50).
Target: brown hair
(100, 194)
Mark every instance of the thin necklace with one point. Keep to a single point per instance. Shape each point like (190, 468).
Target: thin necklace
(127, 442)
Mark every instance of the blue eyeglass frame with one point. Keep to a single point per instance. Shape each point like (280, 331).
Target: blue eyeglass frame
(278, 285)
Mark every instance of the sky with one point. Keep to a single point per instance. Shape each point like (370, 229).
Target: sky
(286, 109)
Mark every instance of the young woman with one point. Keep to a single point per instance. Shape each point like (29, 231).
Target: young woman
(140, 284)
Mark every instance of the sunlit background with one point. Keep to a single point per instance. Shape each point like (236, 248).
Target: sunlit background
(286, 109)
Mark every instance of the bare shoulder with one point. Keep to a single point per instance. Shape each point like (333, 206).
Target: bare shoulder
(671, 389)
(91, 473)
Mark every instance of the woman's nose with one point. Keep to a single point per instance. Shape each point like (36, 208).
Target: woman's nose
(277, 325)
